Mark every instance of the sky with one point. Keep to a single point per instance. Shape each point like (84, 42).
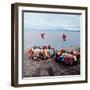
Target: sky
(46, 21)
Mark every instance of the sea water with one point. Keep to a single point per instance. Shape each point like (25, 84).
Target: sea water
(52, 38)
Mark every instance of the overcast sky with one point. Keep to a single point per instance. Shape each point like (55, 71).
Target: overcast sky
(47, 21)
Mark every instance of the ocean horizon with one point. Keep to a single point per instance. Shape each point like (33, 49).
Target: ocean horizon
(51, 30)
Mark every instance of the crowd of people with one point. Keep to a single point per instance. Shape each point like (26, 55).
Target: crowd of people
(68, 56)
(62, 55)
(37, 52)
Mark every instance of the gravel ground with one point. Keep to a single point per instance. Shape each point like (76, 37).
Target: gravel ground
(49, 67)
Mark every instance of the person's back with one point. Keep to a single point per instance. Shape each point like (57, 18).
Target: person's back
(46, 53)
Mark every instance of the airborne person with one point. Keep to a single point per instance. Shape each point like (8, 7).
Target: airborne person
(64, 37)
(42, 36)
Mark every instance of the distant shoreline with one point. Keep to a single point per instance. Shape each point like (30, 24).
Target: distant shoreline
(53, 30)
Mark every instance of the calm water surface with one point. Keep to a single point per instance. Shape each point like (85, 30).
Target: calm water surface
(53, 38)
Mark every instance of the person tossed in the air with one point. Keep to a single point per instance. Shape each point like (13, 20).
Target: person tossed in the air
(43, 36)
(64, 37)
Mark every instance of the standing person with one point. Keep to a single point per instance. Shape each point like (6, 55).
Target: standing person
(46, 52)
